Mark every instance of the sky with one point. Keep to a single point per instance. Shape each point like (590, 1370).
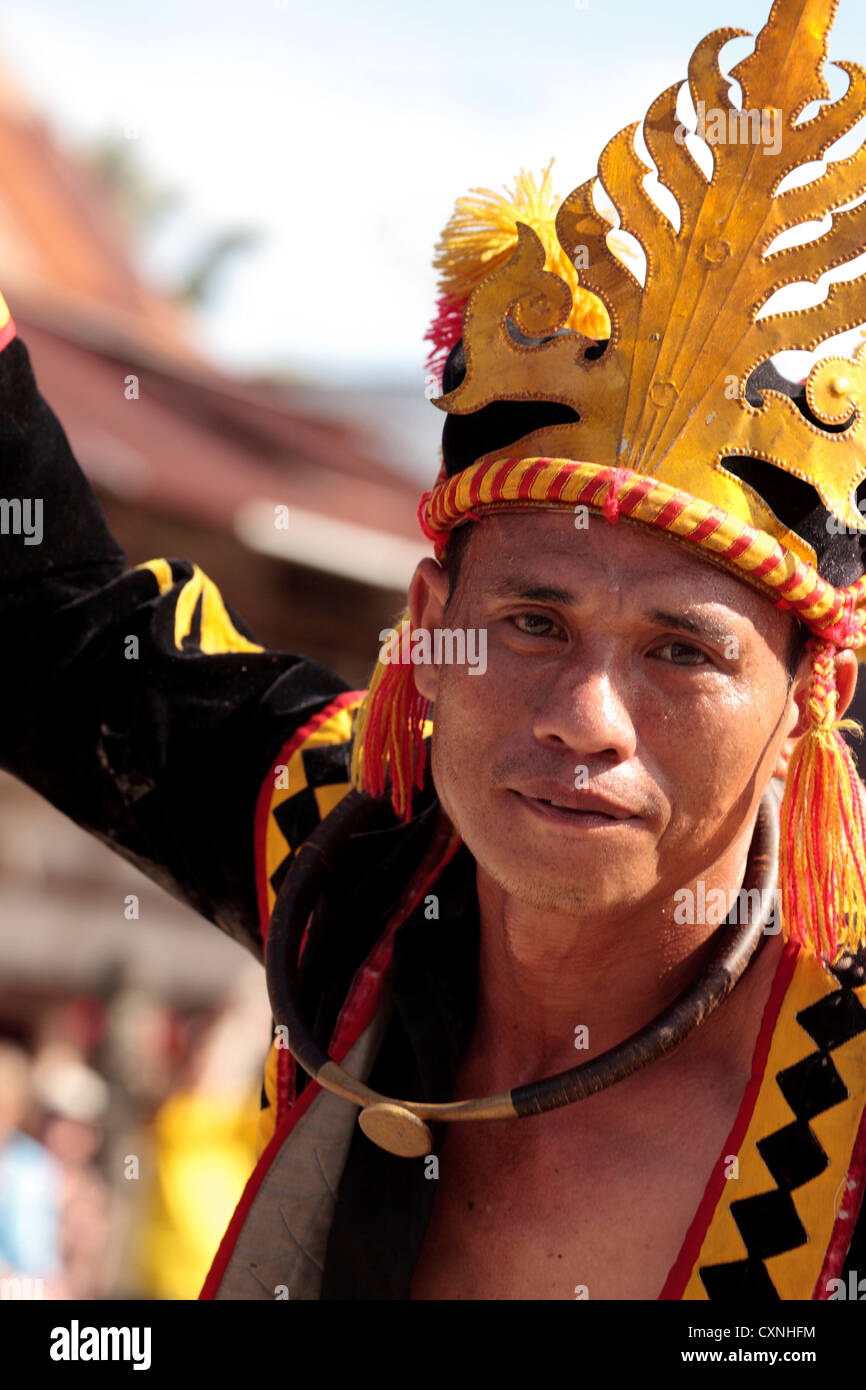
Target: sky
(344, 132)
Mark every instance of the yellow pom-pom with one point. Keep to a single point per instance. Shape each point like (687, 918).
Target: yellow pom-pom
(481, 235)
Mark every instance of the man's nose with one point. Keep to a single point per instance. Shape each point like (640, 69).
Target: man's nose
(588, 709)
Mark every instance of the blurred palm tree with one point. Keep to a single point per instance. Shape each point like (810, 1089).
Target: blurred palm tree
(145, 203)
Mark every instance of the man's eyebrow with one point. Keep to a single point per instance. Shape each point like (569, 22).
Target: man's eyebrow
(551, 593)
(698, 627)
(522, 588)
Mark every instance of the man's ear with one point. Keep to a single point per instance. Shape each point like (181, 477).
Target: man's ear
(427, 597)
(798, 716)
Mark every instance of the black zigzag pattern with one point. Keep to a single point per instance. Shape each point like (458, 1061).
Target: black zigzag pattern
(325, 765)
(769, 1223)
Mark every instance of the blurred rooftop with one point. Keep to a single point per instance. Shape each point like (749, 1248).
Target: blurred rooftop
(197, 444)
(190, 463)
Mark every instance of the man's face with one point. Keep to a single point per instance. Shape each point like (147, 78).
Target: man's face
(619, 666)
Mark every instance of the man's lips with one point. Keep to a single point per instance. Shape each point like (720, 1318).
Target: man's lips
(577, 805)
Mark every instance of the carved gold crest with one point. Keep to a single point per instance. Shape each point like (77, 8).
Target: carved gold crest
(667, 397)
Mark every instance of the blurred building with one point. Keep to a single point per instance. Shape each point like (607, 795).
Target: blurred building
(187, 461)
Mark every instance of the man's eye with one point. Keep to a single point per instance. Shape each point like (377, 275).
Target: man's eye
(682, 654)
(536, 624)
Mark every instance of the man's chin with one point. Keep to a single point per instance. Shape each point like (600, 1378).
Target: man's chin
(568, 900)
(572, 897)
(537, 864)
(595, 857)
(560, 879)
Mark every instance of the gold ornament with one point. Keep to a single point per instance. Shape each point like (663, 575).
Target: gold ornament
(667, 398)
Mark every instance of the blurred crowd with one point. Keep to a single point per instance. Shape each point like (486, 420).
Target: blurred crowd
(55, 1205)
(127, 1132)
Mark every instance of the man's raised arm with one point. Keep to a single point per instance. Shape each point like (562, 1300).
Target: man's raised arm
(135, 700)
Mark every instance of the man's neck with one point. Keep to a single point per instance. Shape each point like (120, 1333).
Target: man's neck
(555, 991)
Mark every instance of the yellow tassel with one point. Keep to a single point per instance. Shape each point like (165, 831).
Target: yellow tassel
(482, 234)
(822, 844)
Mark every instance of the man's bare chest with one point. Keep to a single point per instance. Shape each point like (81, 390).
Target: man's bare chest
(583, 1220)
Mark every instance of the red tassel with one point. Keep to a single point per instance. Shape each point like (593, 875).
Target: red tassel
(389, 736)
(443, 333)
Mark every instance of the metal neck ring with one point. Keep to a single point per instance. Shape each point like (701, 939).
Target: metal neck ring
(398, 1125)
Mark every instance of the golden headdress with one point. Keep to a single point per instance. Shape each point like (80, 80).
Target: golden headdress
(568, 381)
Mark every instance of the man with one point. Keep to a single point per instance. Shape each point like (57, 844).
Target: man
(577, 924)
(669, 625)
